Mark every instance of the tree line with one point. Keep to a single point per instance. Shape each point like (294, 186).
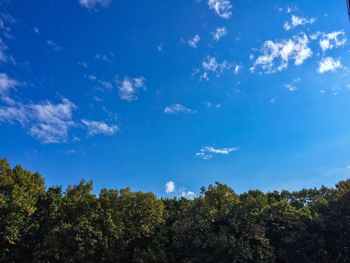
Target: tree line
(75, 225)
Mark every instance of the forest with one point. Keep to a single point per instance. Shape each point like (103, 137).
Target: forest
(40, 224)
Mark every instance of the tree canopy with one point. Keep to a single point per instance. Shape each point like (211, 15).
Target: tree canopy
(119, 225)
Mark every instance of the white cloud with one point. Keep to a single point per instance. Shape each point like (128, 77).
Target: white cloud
(291, 86)
(188, 194)
(297, 21)
(206, 153)
(194, 41)
(54, 45)
(105, 57)
(237, 69)
(12, 114)
(107, 85)
(210, 105)
(47, 122)
(219, 33)
(83, 64)
(4, 57)
(6, 83)
(52, 121)
(221, 7)
(91, 4)
(4, 20)
(329, 64)
(99, 127)
(211, 65)
(129, 88)
(92, 77)
(177, 108)
(276, 55)
(160, 47)
(170, 187)
(331, 40)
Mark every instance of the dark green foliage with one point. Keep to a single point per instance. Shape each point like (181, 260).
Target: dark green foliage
(20, 191)
(38, 225)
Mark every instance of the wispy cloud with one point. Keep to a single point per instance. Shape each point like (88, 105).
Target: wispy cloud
(193, 42)
(291, 86)
(219, 33)
(99, 127)
(177, 108)
(6, 19)
(52, 121)
(105, 57)
(207, 152)
(297, 21)
(237, 69)
(222, 7)
(276, 55)
(54, 45)
(7, 83)
(129, 87)
(210, 105)
(91, 4)
(160, 46)
(170, 187)
(47, 122)
(106, 85)
(329, 64)
(83, 64)
(211, 65)
(4, 56)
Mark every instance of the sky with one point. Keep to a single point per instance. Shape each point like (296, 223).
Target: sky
(168, 96)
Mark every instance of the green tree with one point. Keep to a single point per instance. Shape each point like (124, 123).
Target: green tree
(20, 191)
(336, 216)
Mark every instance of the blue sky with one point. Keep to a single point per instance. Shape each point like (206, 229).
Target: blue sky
(168, 96)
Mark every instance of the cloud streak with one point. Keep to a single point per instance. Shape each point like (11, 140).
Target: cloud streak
(99, 127)
(194, 41)
(7, 83)
(207, 152)
(91, 4)
(219, 33)
(53, 45)
(47, 122)
(177, 108)
(4, 56)
(297, 21)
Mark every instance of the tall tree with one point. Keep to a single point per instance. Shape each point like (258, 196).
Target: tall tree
(20, 191)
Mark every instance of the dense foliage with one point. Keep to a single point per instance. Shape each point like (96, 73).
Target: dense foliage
(50, 225)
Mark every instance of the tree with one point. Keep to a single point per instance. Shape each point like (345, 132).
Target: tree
(20, 191)
(38, 225)
(336, 216)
